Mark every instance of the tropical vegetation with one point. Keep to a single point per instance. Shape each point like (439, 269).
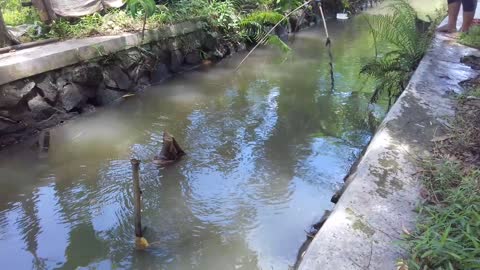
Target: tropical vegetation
(448, 228)
(233, 19)
(472, 38)
(406, 40)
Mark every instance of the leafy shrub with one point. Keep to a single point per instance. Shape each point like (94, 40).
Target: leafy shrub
(398, 31)
(256, 25)
(281, 6)
(85, 26)
(14, 14)
(141, 8)
(163, 15)
(222, 16)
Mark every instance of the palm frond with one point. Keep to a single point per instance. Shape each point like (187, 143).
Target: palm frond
(262, 17)
(255, 27)
(274, 40)
(398, 30)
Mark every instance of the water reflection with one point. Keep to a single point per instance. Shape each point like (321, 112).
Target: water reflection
(266, 147)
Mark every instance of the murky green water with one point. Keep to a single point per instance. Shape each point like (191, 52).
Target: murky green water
(267, 148)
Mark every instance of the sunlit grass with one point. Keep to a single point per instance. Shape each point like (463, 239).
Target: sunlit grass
(472, 38)
(448, 230)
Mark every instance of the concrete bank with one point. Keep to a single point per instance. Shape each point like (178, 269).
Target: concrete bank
(37, 60)
(379, 201)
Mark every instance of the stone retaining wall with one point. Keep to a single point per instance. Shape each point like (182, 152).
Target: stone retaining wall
(43, 86)
(44, 100)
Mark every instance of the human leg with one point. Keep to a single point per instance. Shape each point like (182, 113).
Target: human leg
(453, 10)
(469, 7)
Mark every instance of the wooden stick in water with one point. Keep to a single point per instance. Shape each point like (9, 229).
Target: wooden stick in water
(140, 241)
(329, 46)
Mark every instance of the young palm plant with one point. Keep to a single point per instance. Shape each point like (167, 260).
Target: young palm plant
(398, 31)
(141, 7)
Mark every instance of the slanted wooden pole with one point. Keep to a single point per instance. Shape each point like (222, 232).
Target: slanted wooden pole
(140, 241)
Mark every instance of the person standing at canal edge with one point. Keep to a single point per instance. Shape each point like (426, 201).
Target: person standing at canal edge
(469, 7)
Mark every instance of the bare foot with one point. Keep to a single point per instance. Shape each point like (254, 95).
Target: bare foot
(446, 29)
(454, 35)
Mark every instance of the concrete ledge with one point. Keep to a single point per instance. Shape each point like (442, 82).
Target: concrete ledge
(379, 202)
(37, 60)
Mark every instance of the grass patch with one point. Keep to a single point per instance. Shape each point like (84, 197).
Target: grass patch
(222, 17)
(114, 22)
(14, 14)
(232, 20)
(447, 234)
(475, 93)
(448, 230)
(472, 38)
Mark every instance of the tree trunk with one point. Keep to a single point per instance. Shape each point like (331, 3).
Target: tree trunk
(6, 38)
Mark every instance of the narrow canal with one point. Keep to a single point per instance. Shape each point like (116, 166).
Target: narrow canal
(267, 147)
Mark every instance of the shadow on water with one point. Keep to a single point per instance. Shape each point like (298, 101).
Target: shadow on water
(267, 147)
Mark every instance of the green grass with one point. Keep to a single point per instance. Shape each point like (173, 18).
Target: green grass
(14, 14)
(447, 234)
(14, 17)
(475, 92)
(448, 231)
(222, 17)
(472, 38)
(114, 22)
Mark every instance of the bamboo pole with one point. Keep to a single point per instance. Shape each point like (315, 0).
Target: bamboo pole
(328, 43)
(140, 241)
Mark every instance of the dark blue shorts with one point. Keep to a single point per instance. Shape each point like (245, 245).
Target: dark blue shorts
(468, 5)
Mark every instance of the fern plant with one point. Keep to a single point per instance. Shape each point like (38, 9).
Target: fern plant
(141, 7)
(256, 25)
(398, 31)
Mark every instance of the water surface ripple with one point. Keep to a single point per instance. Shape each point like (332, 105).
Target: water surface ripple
(267, 147)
